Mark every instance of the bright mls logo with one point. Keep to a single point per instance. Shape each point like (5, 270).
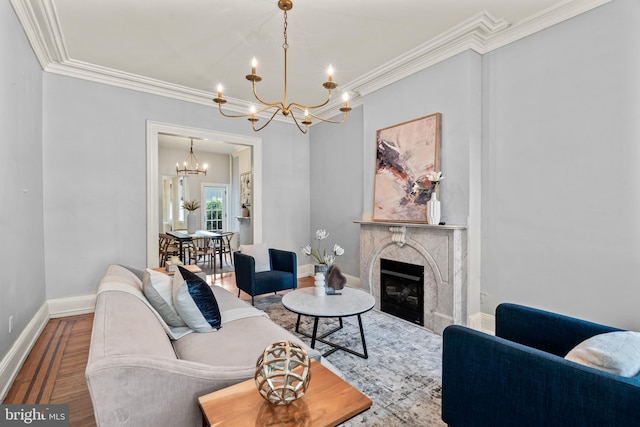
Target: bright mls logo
(34, 415)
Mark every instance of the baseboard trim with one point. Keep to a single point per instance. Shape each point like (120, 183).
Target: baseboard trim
(483, 322)
(72, 306)
(12, 361)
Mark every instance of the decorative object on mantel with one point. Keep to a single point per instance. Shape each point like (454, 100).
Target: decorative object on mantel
(282, 372)
(245, 211)
(191, 165)
(191, 206)
(287, 110)
(433, 205)
(406, 153)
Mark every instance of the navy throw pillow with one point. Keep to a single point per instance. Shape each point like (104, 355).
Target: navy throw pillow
(203, 298)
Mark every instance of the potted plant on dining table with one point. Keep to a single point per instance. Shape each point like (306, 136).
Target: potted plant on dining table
(191, 206)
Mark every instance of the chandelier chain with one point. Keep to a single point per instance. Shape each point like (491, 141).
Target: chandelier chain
(285, 45)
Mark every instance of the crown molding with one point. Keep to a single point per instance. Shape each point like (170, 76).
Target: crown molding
(481, 33)
(545, 19)
(470, 34)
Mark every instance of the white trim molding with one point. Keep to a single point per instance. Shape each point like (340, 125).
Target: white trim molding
(483, 322)
(72, 306)
(13, 360)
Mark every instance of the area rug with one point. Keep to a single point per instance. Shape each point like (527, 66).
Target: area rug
(402, 375)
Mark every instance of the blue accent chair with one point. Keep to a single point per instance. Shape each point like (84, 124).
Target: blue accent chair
(283, 274)
(520, 377)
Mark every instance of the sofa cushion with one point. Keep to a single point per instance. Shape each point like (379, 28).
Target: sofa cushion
(236, 346)
(158, 288)
(195, 302)
(614, 352)
(260, 253)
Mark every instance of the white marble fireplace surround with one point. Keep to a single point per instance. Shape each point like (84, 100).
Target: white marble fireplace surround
(441, 249)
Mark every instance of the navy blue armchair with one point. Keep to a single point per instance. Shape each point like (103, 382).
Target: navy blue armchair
(283, 274)
(520, 377)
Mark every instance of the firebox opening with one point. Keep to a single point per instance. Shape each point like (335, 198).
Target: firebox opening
(402, 290)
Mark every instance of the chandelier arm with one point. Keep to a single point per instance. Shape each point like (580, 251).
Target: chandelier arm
(344, 118)
(280, 105)
(232, 115)
(298, 124)
(253, 125)
(303, 107)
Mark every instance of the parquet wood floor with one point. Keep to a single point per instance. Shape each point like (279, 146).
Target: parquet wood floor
(54, 370)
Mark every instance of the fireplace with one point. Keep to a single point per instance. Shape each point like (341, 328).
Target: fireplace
(441, 252)
(402, 290)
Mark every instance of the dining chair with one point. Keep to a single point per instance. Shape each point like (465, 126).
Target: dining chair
(167, 247)
(200, 249)
(224, 246)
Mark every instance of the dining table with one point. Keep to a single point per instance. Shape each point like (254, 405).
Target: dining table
(182, 236)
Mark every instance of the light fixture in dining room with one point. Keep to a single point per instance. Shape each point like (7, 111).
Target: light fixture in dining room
(287, 110)
(191, 166)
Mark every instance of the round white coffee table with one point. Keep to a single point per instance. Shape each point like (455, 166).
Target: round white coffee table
(351, 302)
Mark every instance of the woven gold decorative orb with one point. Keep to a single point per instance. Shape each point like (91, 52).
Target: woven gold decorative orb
(282, 372)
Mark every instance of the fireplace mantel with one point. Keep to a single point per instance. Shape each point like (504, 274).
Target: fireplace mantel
(441, 249)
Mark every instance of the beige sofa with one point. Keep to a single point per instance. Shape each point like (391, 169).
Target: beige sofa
(138, 376)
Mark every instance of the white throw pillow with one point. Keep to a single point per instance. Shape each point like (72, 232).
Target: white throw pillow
(614, 352)
(158, 289)
(260, 254)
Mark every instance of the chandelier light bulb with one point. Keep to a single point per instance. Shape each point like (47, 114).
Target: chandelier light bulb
(254, 65)
(219, 90)
(330, 73)
(345, 97)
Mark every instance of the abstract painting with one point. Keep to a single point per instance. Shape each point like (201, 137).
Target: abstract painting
(405, 153)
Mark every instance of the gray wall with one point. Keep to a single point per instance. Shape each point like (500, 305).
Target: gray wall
(561, 183)
(452, 87)
(22, 287)
(336, 186)
(95, 177)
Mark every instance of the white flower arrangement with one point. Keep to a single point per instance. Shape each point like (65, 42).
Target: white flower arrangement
(323, 257)
(434, 178)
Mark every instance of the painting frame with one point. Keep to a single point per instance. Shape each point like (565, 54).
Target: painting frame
(405, 154)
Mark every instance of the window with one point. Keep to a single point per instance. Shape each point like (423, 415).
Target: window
(215, 207)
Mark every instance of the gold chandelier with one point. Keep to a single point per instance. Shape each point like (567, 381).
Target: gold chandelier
(282, 106)
(191, 166)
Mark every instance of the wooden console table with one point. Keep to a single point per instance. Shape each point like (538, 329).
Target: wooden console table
(329, 401)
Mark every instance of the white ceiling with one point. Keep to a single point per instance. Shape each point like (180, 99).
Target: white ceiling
(184, 48)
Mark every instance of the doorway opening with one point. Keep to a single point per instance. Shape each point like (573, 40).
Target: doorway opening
(154, 180)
